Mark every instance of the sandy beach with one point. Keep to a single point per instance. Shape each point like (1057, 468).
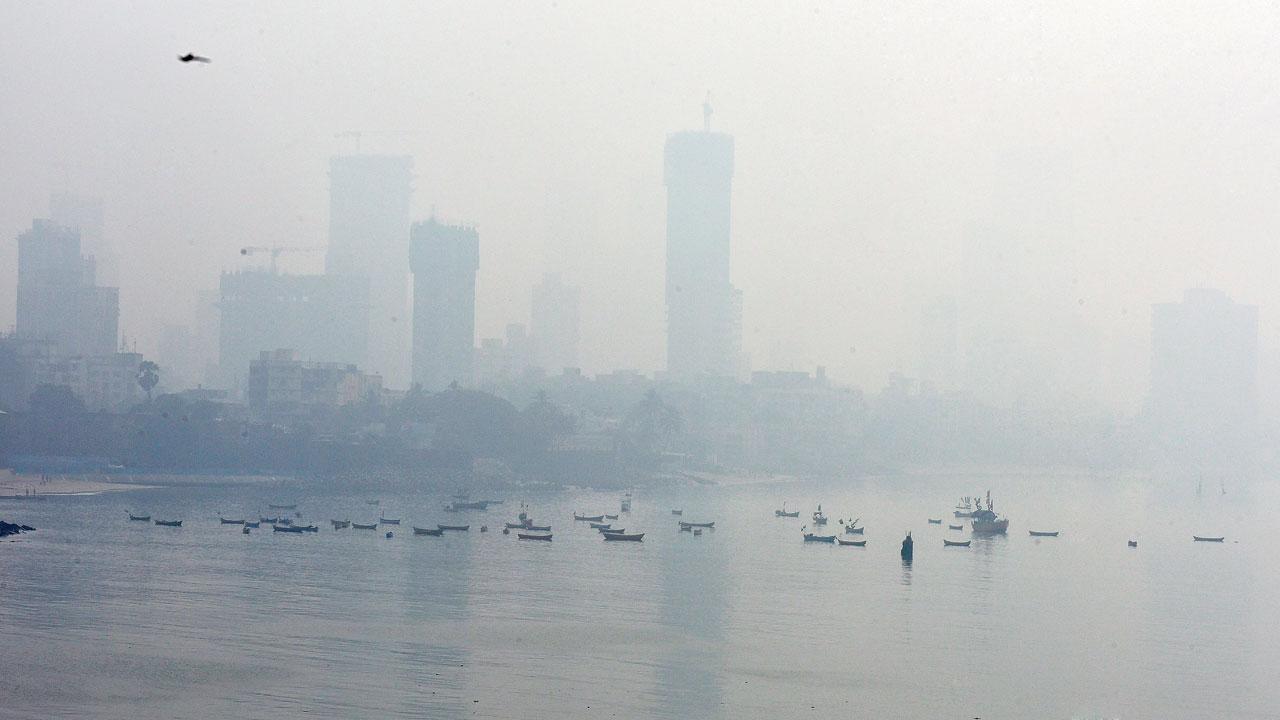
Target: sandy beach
(15, 485)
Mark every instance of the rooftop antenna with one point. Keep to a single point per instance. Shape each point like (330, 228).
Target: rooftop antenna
(706, 113)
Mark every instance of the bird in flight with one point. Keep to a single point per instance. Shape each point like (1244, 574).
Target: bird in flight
(193, 58)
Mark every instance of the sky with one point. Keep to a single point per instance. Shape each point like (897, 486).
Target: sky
(1121, 152)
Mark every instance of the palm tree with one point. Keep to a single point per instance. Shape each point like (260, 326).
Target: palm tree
(148, 376)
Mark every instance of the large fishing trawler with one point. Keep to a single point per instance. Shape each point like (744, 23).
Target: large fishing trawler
(987, 522)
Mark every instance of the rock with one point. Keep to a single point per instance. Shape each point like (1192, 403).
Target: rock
(7, 529)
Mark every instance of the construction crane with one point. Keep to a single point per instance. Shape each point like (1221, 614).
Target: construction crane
(275, 252)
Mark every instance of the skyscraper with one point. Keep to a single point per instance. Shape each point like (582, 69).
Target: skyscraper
(555, 324)
(58, 302)
(702, 330)
(369, 199)
(444, 259)
(84, 213)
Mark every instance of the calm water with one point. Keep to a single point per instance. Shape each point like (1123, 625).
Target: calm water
(101, 617)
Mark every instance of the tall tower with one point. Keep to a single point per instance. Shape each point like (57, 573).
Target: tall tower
(369, 199)
(701, 304)
(444, 259)
(58, 302)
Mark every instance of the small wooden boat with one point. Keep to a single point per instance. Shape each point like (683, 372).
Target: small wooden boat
(1044, 533)
(308, 528)
(935, 522)
(588, 518)
(610, 517)
(677, 512)
(955, 527)
(169, 523)
(253, 524)
(427, 531)
(623, 537)
(245, 530)
(518, 526)
(526, 536)
(685, 528)
(956, 543)
(372, 502)
(697, 525)
(1199, 538)
(385, 521)
(456, 528)
(697, 532)
(143, 518)
(370, 526)
(339, 524)
(810, 537)
(284, 521)
(538, 528)
(611, 531)
(851, 530)
(269, 521)
(287, 528)
(599, 526)
(283, 507)
(1133, 543)
(224, 521)
(854, 543)
(785, 514)
(389, 535)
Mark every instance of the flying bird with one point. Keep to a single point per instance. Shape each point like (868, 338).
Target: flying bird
(193, 58)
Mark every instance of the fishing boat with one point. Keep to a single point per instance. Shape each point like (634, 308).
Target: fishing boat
(372, 502)
(626, 505)
(169, 523)
(818, 517)
(955, 543)
(611, 531)
(269, 521)
(308, 528)
(588, 518)
(623, 537)
(339, 524)
(1199, 538)
(427, 531)
(518, 526)
(684, 524)
(935, 522)
(784, 514)
(224, 521)
(677, 512)
(477, 505)
(854, 543)
(697, 532)
(527, 536)
(987, 522)
(245, 530)
(250, 524)
(454, 528)
(610, 517)
(965, 508)
(810, 537)
(1043, 533)
(143, 518)
(685, 528)
(955, 527)
(282, 507)
(284, 521)
(287, 528)
(386, 521)
(1133, 543)
(538, 528)
(599, 526)
(370, 526)
(851, 530)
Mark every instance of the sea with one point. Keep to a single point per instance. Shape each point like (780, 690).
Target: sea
(101, 617)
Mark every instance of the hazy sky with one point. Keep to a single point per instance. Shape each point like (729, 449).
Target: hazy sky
(1126, 150)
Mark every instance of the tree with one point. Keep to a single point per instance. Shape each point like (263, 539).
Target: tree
(650, 425)
(541, 424)
(56, 402)
(148, 376)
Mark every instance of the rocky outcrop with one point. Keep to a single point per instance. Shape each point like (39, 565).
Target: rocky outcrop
(7, 529)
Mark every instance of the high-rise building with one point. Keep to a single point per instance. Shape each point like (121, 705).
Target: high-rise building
(555, 324)
(1204, 372)
(58, 303)
(323, 317)
(369, 198)
(84, 213)
(702, 330)
(444, 259)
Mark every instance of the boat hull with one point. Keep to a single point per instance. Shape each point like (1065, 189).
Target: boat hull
(622, 537)
(169, 523)
(697, 525)
(1199, 538)
(853, 543)
(524, 536)
(1036, 533)
(990, 527)
(454, 528)
(956, 543)
(810, 537)
(592, 518)
(428, 531)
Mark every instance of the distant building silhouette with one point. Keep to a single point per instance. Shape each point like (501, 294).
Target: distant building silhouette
(703, 309)
(369, 204)
(444, 259)
(322, 317)
(282, 386)
(1204, 372)
(85, 214)
(555, 324)
(58, 302)
(499, 361)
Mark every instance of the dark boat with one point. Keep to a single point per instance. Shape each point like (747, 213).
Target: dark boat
(1043, 533)
(288, 528)
(538, 528)
(518, 526)
(677, 512)
(851, 530)
(339, 524)
(955, 527)
(1207, 539)
(477, 505)
(251, 524)
(269, 521)
(810, 537)
(784, 514)
(169, 523)
(818, 517)
(458, 528)
(525, 536)
(623, 537)
(599, 526)
(308, 528)
(1133, 543)
(854, 543)
(284, 521)
(224, 521)
(283, 507)
(143, 518)
(358, 526)
(935, 522)
(686, 528)
(427, 531)
(389, 535)
(611, 531)
(697, 525)
(385, 521)
(245, 530)
(584, 518)
(610, 517)
(956, 543)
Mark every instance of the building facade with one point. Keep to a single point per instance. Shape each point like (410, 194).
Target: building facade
(283, 385)
(58, 302)
(444, 259)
